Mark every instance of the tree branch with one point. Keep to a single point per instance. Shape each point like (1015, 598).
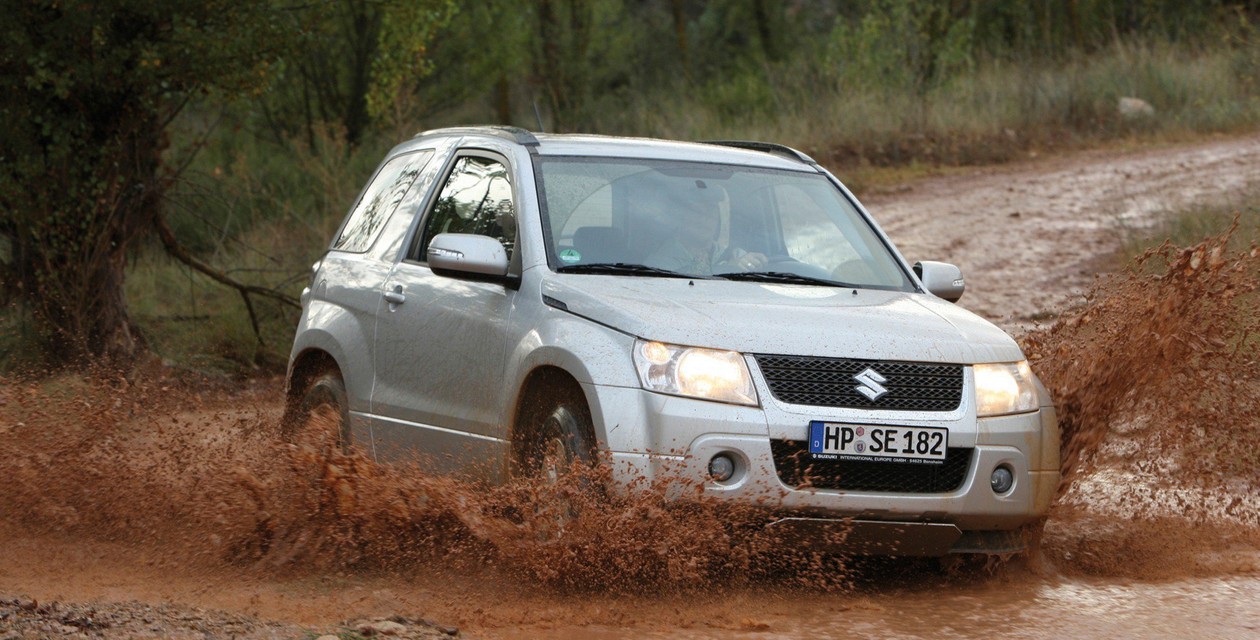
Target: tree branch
(177, 251)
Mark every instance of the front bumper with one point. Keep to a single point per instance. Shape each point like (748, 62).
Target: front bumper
(656, 437)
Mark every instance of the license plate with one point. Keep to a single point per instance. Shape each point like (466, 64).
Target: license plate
(831, 440)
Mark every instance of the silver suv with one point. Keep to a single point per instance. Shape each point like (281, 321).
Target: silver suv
(499, 303)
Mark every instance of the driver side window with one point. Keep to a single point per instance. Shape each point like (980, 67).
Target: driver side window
(477, 198)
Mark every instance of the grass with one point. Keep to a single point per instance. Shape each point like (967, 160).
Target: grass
(993, 111)
(1185, 227)
(196, 323)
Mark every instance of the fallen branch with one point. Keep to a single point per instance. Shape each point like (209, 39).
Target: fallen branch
(179, 252)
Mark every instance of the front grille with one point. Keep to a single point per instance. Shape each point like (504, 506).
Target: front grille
(833, 382)
(797, 468)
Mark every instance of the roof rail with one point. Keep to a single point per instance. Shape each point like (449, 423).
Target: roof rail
(516, 134)
(767, 147)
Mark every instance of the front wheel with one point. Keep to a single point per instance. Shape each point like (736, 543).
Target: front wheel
(555, 438)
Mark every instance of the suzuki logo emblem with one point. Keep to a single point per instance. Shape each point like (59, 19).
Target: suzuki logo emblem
(870, 384)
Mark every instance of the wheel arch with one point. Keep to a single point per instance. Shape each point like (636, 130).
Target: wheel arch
(572, 350)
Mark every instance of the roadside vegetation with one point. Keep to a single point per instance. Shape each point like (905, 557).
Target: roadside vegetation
(257, 164)
(1189, 226)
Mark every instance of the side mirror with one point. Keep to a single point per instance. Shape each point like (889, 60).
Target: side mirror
(941, 279)
(468, 254)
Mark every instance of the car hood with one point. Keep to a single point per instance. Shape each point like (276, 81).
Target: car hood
(784, 319)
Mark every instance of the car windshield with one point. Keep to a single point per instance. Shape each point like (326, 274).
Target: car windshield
(615, 216)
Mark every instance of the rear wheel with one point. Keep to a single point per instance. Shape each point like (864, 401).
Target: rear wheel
(322, 415)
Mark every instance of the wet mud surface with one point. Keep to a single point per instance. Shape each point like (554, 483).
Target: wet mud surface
(165, 506)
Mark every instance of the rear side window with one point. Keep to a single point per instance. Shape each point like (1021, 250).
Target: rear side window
(379, 201)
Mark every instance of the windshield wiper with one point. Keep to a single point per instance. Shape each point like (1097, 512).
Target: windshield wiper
(780, 276)
(622, 269)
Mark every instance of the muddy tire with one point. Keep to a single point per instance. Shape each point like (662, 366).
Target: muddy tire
(555, 440)
(321, 415)
(556, 435)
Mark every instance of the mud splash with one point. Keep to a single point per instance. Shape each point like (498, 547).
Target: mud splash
(1157, 381)
(154, 464)
(333, 508)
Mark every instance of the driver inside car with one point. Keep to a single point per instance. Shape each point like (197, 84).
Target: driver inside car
(695, 245)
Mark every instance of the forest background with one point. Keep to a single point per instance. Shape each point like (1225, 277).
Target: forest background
(169, 169)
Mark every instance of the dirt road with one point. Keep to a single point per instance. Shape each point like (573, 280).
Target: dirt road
(1031, 236)
(164, 509)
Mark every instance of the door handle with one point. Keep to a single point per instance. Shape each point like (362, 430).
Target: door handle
(396, 296)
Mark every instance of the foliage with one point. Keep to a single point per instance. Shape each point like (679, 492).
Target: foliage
(348, 62)
(908, 44)
(90, 89)
(87, 90)
(263, 211)
(477, 54)
(588, 62)
(406, 28)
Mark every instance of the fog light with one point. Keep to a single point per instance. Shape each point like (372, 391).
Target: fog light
(1002, 479)
(721, 467)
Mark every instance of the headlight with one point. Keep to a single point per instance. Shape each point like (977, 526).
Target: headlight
(709, 374)
(1004, 388)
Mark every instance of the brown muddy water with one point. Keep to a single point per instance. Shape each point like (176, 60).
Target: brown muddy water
(163, 488)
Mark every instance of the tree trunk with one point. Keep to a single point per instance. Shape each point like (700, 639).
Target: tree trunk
(363, 29)
(503, 100)
(88, 89)
(551, 71)
(766, 32)
(112, 335)
(74, 271)
(680, 33)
